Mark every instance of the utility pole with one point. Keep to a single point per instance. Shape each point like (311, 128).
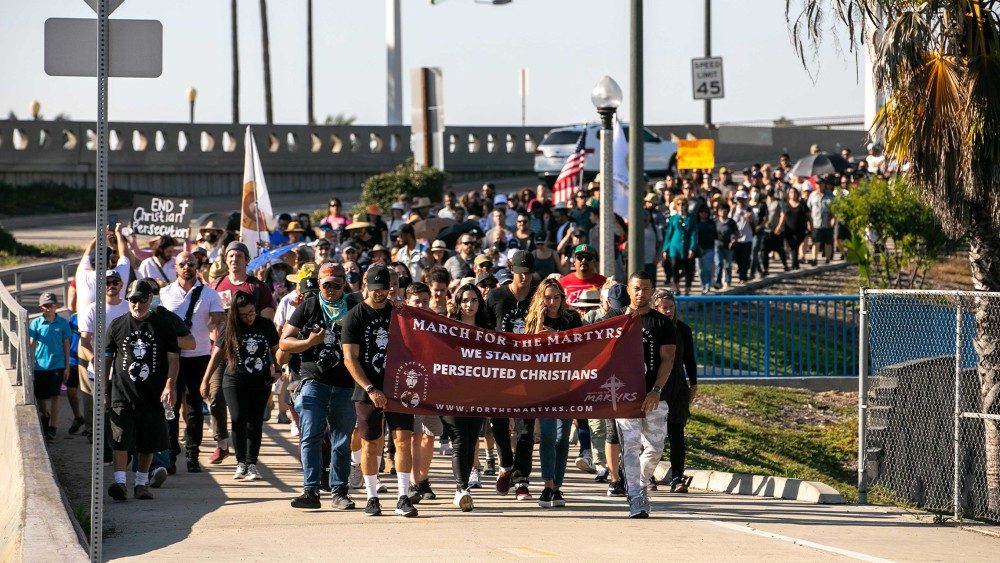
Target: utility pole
(708, 53)
(394, 65)
(636, 146)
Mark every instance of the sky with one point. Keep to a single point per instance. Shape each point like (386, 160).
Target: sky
(566, 45)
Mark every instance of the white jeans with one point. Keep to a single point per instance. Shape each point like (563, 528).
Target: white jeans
(642, 445)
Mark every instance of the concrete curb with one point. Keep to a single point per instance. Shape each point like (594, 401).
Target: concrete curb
(812, 492)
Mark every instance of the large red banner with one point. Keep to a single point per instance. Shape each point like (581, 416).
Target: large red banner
(436, 365)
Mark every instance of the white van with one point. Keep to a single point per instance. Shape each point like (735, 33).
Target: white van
(660, 155)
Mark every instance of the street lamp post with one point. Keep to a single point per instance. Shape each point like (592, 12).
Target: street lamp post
(606, 97)
(192, 95)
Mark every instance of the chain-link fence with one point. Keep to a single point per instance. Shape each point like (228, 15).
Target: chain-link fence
(929, 432)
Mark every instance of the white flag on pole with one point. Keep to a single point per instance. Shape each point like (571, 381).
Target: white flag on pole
(620, 151)
(256, 212)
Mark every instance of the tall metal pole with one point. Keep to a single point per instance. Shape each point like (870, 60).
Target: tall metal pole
(708, 53)
(958, 408)
(310, 114)
(394, 65)
(100, 266)
(607, 210)
(636, 146)
(524, 95)
(862, 396)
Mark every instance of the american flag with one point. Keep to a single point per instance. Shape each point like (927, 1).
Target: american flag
(570, 175)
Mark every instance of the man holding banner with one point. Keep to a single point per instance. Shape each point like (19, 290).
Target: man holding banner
(642, 438)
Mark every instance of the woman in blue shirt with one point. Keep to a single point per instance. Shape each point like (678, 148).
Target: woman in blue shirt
(680, 244)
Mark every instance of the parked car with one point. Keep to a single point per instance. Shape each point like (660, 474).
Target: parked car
(660, 155)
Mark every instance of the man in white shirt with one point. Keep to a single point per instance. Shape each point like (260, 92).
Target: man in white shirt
(116, 307)
(86, 282)
(201, 309)
(160, 266)
(411, 252)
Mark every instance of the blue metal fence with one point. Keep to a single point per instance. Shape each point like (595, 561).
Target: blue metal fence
(773, 336)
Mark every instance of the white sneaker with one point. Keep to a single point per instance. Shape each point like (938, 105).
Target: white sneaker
(463, 500)
(241, 471)
(355, 480)
(474, 482)
(294, 430)
(252, 473)
(585, 463)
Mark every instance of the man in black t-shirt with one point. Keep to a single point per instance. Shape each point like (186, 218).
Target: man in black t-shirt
(642, 438)
(142, 348)
(506, 307)
(325, 398)
(365, 342)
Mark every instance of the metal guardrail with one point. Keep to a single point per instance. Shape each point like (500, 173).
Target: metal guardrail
(16, 277)
(14, 343)
(773, 336)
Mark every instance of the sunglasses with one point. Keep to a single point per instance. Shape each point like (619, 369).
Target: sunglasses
(335, 286)
(585, 258)
(138, 299)
(113, 281)
(334, 205)
(485, 265)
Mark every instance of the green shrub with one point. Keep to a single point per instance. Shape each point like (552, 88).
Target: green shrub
(383, 189)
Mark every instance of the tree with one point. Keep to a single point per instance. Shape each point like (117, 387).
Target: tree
(265, 42)
(939, 63)
(309, 63)
(236, 60)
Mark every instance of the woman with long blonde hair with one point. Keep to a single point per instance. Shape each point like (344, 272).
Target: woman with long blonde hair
(548, 313)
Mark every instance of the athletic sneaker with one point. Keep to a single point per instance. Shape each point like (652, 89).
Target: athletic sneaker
(558, 499)
(415, 495)
(382, 488)
(308, 499)
(602, 474)
(677, 485)
(373, 508)
(118, 491)
(503, 481)
(218, 455)
(252, 473)
(241, 471)
(405, 508)
(355, 480)
(463, 500)
(545, 499)
(616, 489)
(425, 489)
(293, 430)
(193, 466)
(50, 432)
(491, 467)
(283, 418)
(141, 492)
(585, 463)
(342, 501)
(652, 484)
(78, 423)
(637, 507)
(521, 492)
(474, 479)
(157, 477)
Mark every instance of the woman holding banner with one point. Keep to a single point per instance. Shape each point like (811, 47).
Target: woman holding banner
(467, 307)
(548, 313)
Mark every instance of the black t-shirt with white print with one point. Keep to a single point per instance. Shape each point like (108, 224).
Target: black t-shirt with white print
(324, 362)
(140, 367)
(369, 328)
(657, 330)
(253, 353)
(506, 313)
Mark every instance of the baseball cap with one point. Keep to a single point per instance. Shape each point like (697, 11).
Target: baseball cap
(616, 296)
(500, 199)
(588, 298)
(480, 259)
(398, 206)
(541, 238)
(327, 270)
(322, 242)
(487, 279)
(47, 298)
(237, 245)
(522, 262)
(308, 286)
(377, 277)
(503, 276)
(139, 289)
(741, 194)
(584, 249)
(112, 274)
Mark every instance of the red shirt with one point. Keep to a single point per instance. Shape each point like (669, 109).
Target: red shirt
(574, 286)
(228, 289)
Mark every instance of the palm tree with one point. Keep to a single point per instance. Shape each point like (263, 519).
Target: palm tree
(309, 62)
(266, 49)
(236, 61)
(939, 61)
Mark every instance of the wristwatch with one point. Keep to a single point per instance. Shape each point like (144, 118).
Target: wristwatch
(656, 389)
(370, 388)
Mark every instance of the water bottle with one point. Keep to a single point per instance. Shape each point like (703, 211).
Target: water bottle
(168, 411)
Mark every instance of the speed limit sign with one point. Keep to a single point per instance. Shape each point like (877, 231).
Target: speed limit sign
(706, 76)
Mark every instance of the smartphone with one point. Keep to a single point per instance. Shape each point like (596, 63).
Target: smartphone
(112, 221)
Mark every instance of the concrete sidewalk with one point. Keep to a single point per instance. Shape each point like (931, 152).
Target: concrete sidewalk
(209, 515)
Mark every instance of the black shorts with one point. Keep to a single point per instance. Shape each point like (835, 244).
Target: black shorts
(372, 421)
(611, 437)
(74, 378)
(142, 430)
(823, 236)
(48, 383)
